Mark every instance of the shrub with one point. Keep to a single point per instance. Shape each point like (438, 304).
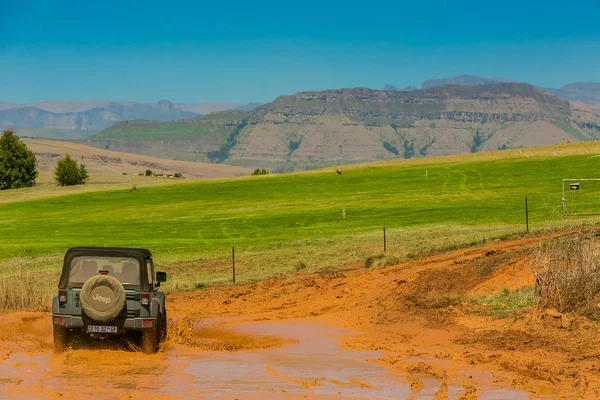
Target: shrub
(178, 175)
(83, 174)
(259, 171)
(18, 166)
(381, 260)
(567, 274)
(148, 172)
(300, 266)
(68, 173)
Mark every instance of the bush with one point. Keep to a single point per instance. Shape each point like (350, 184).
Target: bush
(148, 172)
(68, 173)
(382, 260)
(259, 171)
(18, 166)
(178, 175)
(83, 174)
(567, 274)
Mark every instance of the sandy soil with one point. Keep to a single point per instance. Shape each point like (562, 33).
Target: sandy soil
(357, 333)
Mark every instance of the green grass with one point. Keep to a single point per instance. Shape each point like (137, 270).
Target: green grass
(278, 222)
(507, 301)
(68, 134)
(576, 134)
(214, 127)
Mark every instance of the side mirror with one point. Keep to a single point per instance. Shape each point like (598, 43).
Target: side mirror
(161, 277)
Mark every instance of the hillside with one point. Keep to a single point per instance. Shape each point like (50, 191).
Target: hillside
(315, 129)
(48, 152)
(279, 221)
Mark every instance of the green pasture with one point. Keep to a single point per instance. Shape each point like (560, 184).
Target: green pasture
(283, 224)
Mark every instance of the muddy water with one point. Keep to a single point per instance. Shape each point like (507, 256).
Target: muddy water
(311, 365)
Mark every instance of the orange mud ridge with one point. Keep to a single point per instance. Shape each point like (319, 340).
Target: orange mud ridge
(367, 333)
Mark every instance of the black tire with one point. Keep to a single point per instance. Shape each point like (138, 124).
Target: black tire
(61, 339)
(151, 339)
(163, 326)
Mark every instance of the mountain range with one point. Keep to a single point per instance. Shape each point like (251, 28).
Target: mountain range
(72, 119)
(332, 127)
(584, 92)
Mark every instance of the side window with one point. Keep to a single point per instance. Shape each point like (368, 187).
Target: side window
(150, 269)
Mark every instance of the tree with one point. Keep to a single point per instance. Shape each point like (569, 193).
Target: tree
(18, 166)
(83, 173)
(148, 172)
(68, 173)
(259, 171)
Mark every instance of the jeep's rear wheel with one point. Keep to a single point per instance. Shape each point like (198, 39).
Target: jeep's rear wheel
(151, 339)
(61, 339)
(163, 326)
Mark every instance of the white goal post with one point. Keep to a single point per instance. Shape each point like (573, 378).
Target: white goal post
(574, 185)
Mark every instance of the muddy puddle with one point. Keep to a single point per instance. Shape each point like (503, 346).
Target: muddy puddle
(310, 364)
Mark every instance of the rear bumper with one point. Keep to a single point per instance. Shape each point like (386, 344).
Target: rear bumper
(128, 324)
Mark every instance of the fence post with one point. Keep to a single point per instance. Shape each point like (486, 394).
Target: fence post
(526, 216)
(384, 241)
(233, 262)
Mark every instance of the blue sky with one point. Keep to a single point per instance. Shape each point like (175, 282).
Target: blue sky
(256, 50)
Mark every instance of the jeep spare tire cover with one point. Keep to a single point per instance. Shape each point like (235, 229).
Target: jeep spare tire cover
(102, 298)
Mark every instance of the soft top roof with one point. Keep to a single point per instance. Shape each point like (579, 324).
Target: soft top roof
(139, 254)
(108, 251)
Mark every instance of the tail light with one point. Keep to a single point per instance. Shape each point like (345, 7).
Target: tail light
(58, 320)
(145, 299)
(62, 296)
(148, 323)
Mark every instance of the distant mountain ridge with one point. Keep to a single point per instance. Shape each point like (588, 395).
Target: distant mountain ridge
(467, 80)
(97, 115)
(584, 92)
(332, 127)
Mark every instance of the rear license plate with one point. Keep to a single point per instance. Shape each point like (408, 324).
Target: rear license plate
(101, 329)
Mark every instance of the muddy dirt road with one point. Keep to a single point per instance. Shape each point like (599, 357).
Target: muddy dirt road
(365, 333)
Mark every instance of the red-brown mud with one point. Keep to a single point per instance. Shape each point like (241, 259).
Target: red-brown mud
(394, 333)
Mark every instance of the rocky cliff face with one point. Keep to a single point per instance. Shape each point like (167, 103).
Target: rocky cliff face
(503, 103)
(316, 129)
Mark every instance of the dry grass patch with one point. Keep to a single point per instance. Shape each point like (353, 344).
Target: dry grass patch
(568, 275)
(23, 290)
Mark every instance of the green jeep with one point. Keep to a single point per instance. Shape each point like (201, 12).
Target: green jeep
(107, 292)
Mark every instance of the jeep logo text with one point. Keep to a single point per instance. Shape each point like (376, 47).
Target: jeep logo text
(103, 299)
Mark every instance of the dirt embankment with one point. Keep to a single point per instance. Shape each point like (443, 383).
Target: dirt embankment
(420, 319)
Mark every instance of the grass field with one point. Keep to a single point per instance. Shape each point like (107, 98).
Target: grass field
(287, 223)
